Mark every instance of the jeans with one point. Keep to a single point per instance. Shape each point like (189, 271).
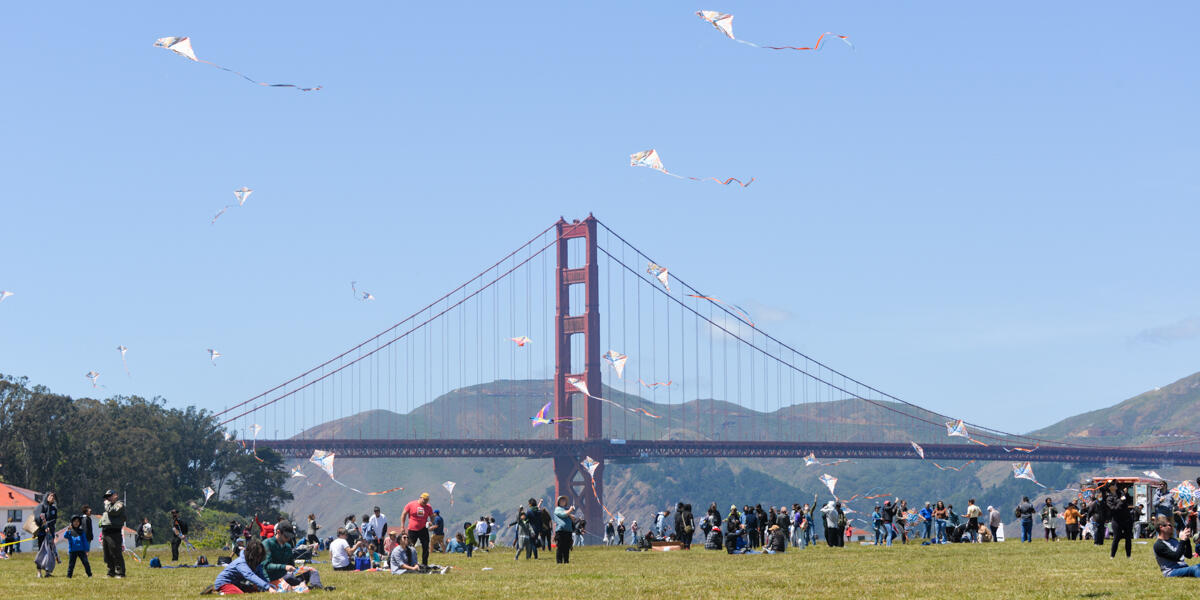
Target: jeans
(82, 557)
(928, 528)
(1027, 530)
(1192, 571)
(878, 533)
(891, 532)
(941, 531)
(526, 544)
(806, 537)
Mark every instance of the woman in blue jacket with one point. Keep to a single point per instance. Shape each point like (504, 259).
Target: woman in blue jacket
(245, 574)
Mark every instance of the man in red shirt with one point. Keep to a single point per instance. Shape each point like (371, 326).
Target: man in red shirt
(416, 518)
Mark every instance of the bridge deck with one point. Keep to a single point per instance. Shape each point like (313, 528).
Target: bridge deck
(355, 448)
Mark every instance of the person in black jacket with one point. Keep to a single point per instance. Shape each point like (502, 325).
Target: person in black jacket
(752, 525)
(689, 526)
(46, 519)
(1119, 510)
(777, 540)
(678, 521)
(1098, 513)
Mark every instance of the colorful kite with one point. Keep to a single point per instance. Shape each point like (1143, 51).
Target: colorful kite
(122, 350)
(589, 464)
(1020, 449)
(4, 294)
(660, 273)
(541, 418)
(1024, 471)
(959, 429)
(643, 411)
(93, 376)
(1185, 493)
(741, 314)
(830, 481)
(324, 459)
(649, 159)
(183, 47)
(449, 485)
(213, 355)
(297, 473)
(364, 296)
(919, 449)
(521, 341)
(581, 385)
(617, 360)
(723, 22)
(952, 468)
(208, 493)
(655, 384)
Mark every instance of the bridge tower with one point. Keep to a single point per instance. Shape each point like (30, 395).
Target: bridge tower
(570, 479)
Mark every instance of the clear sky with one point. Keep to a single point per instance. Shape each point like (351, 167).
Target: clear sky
(988, 209)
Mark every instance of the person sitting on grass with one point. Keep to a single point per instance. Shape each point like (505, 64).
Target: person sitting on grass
(244, 575)
(339, 552)
(714, 540)
(402, 559)
(280, 560)
(1170, 552)
(776, 541)
(456, 545)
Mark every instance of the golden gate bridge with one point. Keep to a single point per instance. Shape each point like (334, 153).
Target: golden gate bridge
(692, 359)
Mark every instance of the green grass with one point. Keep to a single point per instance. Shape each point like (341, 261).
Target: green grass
(1006, 570)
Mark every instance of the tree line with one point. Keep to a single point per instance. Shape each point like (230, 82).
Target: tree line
(160, 458)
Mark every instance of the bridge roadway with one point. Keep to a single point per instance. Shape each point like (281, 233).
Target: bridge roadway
(610, 449)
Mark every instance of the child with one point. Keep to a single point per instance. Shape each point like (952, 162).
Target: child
(469, 532)
(457, 544)
(77, 544)
(245, 574)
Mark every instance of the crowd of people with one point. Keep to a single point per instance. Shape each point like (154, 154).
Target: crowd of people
(266, 555)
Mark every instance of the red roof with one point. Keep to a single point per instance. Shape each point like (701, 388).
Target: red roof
(11, 499)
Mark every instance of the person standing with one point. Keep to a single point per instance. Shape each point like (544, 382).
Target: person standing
(993, 520)
(621, 533)
(564, 527)
(78, 545)
(973, 515)
(1071, 521)
(941, 518)
(610, 533)
(1025, 513)
(145, 535)
(46, 520)
(437, 538)
(1122, 519)
(481, 533)
(378, 523)
(524, 535)
(887, 514)
(927, 519)
(689, 526)
(312, 537)
(179, 531)
(110, 530)
(416, 521)
(1049, 513)
(1098, 512)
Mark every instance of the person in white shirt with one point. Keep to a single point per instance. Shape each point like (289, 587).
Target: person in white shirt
(378, 524)
(481, 533)
(339, 552)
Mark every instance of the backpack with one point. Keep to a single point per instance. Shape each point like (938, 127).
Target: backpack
(154, 562)
(1017, 512)
(183, 528)
(202, 561)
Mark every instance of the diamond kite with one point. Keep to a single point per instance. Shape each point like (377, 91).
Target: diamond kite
(650, 159)
(521, 341)
(449, 485)
(183, 47)
(93, 376)
(364, 296)
(1024, 471)
(4, 294)
(660, 273)
(213, 355)
(617, 360)
(919, 449)
(324, 459)
(830, 481)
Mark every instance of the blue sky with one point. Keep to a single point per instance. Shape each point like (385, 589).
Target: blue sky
(986, 209)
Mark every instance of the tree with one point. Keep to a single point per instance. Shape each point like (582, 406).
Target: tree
(257, 486)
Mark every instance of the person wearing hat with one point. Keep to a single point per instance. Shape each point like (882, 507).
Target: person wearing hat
(415, 518)
(437, 530)
(111, 523)
(280, 559)
(179, 531)
(776, 540)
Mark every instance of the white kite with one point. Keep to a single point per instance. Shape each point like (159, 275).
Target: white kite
(297, 473)
(521, 341)
(919, 449)
(650, 160)
(122, 350)
(1153, 474)
(723, 22)
(660, 273)
(4, 294)
(449, 485)
(213, 355)
(1024, 471)
(93, 376)
(959, 429)
(183, 47)
(242, 194)
(617, 360)
(589, 465)
(830, 481)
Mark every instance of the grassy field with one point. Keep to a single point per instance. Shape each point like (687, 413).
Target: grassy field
(1005, 570)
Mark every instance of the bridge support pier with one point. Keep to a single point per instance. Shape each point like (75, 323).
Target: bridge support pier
(570, 479)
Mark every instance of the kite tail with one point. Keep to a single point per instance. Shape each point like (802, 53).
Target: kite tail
(597, 495)
(816, 46)
(244, 76)
(975, 441)
(739, 181)
(751, 44)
